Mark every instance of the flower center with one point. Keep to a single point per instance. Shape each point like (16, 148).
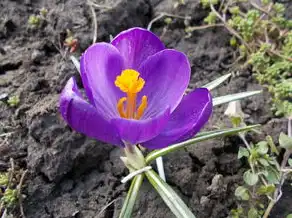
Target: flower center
(130, 83)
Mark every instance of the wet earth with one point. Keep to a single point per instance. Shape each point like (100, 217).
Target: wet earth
(71, 175)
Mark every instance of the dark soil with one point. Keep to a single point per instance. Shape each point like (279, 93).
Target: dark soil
(71, 175)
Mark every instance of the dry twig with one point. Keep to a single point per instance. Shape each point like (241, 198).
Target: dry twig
(94, 21)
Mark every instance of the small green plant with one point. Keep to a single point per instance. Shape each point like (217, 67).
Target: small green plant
(11, 183)
(70, 42)
(44, 12)
(10, 197)
(264, 179)
(13, 101)
(263, 38)
(36, 20)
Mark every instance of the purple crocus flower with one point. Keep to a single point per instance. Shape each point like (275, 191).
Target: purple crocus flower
(135, 88)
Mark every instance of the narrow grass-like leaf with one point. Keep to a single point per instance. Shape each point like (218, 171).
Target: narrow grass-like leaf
(75, 62)
(207, 132)
(213, 134)
(130, 200)
(217, 82)
(169, 196)
(233, 97)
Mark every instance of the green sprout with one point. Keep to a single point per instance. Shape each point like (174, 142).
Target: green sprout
(3, 179)
(11, 183)
(10, 197)
(167, 20)
(13, 101)
(44, 12)
(211, 18)
(34, 21)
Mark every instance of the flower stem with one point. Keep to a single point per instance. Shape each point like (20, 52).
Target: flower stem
(129, 203)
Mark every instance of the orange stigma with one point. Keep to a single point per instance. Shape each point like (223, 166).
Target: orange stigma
(130, 83)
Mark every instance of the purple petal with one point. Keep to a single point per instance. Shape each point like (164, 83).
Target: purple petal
(166, 75)
(100, 65)
(83, 117)
(137, 131)
(187, 119)
(135, 45)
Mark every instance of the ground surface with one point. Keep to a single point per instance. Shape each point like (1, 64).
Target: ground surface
(71, 175)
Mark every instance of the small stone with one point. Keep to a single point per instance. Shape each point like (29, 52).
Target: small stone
(204, 201)
(37, 56)
(217, 183)
(3, 97)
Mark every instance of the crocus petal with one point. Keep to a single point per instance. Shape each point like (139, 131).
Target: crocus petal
(135, 45)
(137, 131)
(83, 117)
(166, 75)
(187, 119)
(100, 65)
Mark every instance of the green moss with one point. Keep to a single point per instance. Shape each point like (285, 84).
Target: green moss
(265, 42)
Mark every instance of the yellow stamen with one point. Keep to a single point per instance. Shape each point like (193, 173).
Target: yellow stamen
(120, 107)
(131, 105)
(141, 108)
(130, 83)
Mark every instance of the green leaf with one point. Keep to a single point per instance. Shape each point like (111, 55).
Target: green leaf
(242, 152)
(217, 82)
(262, 147)
(252, 213)
(250, 178)
(289, 216)
(236, 213)
(290, 162)
(272, 161)
(272, 145)
(208, 132)
(269, 189)
(285, 141)
(75, 62)
(263, 162)
(158, 153)
(169, 196)
(233, 97)
(272, 176)
(130, 200)
(262, 206)
(242, 193)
